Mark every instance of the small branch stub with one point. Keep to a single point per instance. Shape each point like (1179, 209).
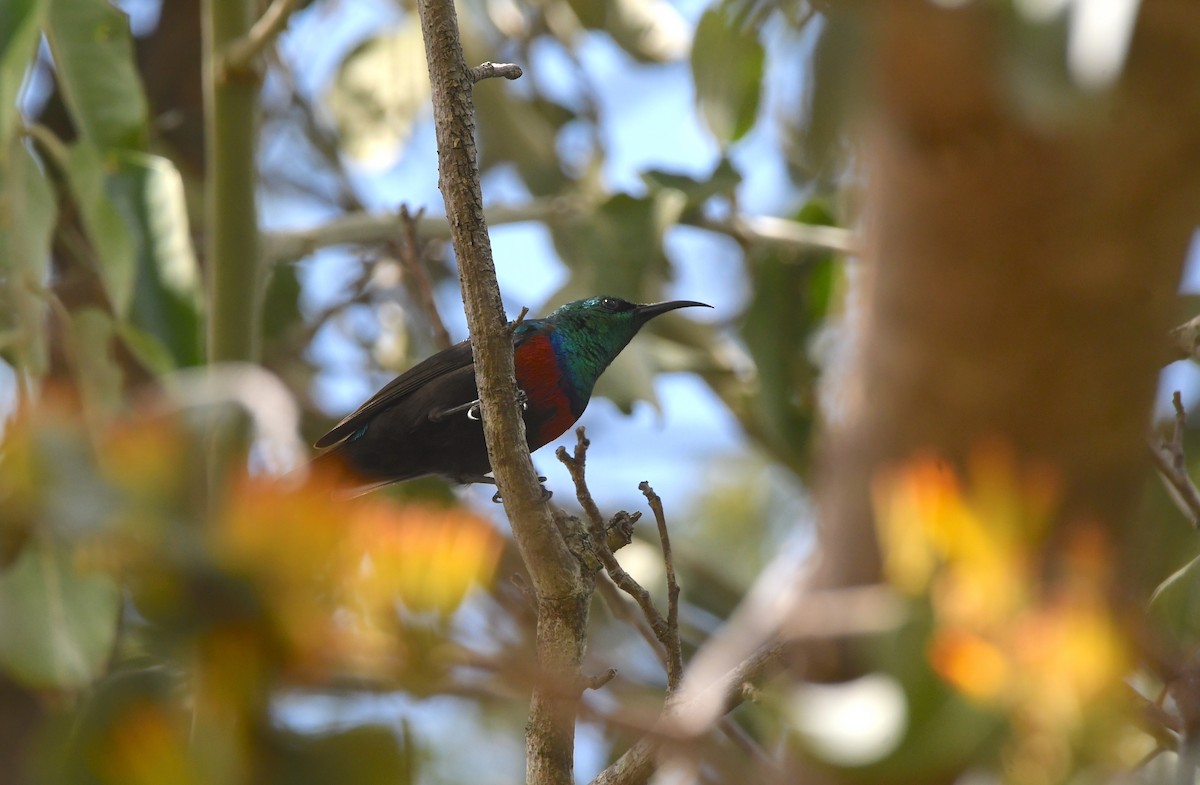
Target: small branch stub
(508, 71)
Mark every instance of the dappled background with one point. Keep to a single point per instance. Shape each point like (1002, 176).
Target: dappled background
(175, 608)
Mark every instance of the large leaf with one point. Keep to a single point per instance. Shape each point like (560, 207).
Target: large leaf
(379, 91)
(791, 294)
(59, 623)
(93, 56)
(727, 67)
(27, 215)
(20, 21)
(148, 193)
(105, 226)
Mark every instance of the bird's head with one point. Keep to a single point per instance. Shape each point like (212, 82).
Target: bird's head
(597, 329)
(612, 315)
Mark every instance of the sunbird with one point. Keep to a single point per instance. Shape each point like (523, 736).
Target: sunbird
(427, 421)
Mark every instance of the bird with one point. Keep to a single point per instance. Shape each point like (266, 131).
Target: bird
(426, 421)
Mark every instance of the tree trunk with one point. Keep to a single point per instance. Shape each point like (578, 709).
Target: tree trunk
(1019, 278)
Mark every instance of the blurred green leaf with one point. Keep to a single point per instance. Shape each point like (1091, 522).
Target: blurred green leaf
(20, 21)
(27, 215)
(522, 132)
(87, 172)
(617, 248)
(378, 92)
(727, 66)
(1175, 604)
(649, 30)
(791, 295)
(815, 147)
(98, 374)
(59, 623)
(281, 302)
(146, 349)
(93, 58)
(147, 191)
(723, 180)
(362, 755)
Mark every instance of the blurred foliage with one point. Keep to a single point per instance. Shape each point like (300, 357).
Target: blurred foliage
(1046, 653)
(157, 619)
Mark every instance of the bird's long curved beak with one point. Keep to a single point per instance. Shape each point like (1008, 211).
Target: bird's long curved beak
(647, 312)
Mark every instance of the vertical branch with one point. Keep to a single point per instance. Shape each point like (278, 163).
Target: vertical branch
(561, 589)
(231, 103)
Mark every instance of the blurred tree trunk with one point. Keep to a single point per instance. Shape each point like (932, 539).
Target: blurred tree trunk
(1019, 280)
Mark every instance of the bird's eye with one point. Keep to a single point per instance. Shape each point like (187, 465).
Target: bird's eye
(609, 303)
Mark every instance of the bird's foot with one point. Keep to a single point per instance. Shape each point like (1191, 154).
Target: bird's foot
(546, 493)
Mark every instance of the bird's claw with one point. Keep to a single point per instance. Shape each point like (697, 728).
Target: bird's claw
(547, 494)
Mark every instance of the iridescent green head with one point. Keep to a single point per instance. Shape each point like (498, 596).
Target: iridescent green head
(589, 334)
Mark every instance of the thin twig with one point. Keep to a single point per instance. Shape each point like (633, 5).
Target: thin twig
(240, 55)
(515, 323)
(576, 466)
(508, 71)
(412, 260)
(1171, 463)
(675, 663)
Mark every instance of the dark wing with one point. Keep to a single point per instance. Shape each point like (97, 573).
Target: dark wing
(447, 361)
(444, 362)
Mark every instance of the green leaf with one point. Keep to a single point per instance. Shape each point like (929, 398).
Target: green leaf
(367, 754)
(1175, 605)
(59, 623)
(727, 67)
(816, 143)
(378, 92)
(93, 57)
(523, 132)
(99, 377)
(791, 296)
(146, 348)
(618, 248)
(20, 21)
(649, 30)
(723, 180)
(87, 173)
(27, 215)
(147, 191)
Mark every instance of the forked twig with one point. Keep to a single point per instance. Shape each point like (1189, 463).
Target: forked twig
(1171, 463)
(666, 630)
